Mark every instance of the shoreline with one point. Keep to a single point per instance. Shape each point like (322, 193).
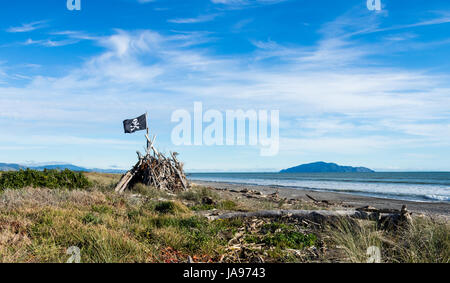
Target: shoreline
(347, 199)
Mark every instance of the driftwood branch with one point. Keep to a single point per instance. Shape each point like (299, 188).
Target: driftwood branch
(318, 201)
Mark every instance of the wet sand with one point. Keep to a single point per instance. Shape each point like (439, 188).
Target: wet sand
(429, 208)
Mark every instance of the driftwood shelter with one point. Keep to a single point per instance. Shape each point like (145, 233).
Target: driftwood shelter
(155, 169)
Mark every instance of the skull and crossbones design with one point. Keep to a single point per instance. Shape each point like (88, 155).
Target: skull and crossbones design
(135, 125)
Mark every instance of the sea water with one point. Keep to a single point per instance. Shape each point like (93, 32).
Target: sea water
(413, 186)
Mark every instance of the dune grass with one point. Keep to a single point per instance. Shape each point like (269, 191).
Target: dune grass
(427, 240)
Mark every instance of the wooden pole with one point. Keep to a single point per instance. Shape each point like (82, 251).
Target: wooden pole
(146, 125)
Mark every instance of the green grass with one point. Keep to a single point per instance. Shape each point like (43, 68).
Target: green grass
(91, 218)
(52, 179)
(283, 236)
(170, 207)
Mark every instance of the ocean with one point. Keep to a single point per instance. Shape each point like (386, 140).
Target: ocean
(412, 186)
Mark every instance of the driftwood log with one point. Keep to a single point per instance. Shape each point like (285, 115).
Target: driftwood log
(313, 215)
(155, 169)
(386, 218)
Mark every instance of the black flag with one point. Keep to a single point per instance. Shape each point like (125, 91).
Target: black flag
(137, 124)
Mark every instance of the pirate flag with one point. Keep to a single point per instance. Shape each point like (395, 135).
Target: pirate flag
(137, 124)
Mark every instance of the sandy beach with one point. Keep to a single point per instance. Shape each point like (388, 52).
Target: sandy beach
(429, 208)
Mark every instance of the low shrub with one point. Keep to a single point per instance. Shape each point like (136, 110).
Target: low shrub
(283, 236)
(52, 179)
(170, 207)
(91, 218)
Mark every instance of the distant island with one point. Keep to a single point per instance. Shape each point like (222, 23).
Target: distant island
(16, 167)
(323, 167)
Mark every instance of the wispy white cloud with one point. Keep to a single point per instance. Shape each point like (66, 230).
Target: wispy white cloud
(356, 22)
(51, 140)
(27, 27)
(60, 38)
(241, 24)
(50, 43)
(2, 74)
(199, 19)
(246, 2)
(435, 21)
(401, 36)
(243, 4)
(75, 35)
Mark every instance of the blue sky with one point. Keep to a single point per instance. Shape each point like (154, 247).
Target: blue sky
(353, 86)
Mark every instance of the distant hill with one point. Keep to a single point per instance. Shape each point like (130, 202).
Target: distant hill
(15, 167)
(10, 167)
(60, 167)
(323, 167)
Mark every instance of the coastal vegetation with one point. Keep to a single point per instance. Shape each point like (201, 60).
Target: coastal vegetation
(39, 222)
(53, 179)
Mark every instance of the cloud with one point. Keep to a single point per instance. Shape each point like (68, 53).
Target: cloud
(242, 23)
(27, 27)
(50, 43)
(436, 21)
(58, 39)
(75, 35)
(243, 4)
(51, 140)
(246, 2)
(355, 22)
(343, 145)
(199, 19)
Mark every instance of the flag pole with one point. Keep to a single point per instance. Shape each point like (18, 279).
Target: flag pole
(146, 121)
(146, 125)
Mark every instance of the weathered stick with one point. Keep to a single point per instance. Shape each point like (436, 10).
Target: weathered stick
(150, 142)
(318, 201)
(123, 182)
